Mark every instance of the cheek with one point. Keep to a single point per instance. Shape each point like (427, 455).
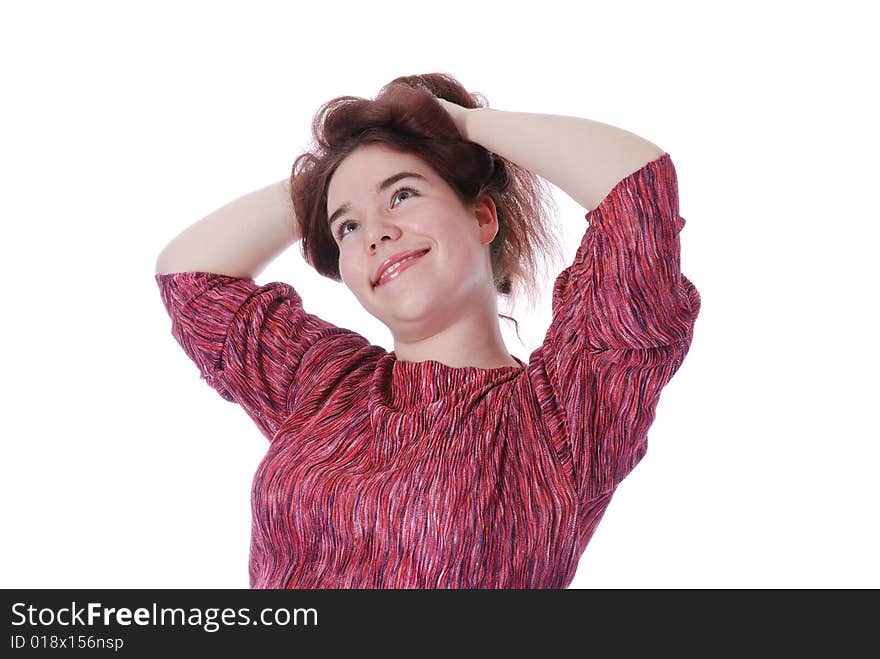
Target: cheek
(345, 270)
(462, 268)
(353, 272)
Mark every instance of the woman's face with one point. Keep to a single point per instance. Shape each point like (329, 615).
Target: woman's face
(451, 273)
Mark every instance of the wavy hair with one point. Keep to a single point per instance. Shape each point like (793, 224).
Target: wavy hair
(405, 117)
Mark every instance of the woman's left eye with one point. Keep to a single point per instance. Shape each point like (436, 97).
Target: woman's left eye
(399, 190)
(344, 224)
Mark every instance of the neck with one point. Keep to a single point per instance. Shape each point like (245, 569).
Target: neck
(473, 339)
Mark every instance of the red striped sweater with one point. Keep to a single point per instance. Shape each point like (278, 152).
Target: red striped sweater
(388, 474)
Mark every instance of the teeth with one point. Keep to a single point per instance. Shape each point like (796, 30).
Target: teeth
(396, 265)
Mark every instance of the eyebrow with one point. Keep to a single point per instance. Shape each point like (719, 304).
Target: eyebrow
(388, 182)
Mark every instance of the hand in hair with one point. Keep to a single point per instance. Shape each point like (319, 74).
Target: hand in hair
(458, 114)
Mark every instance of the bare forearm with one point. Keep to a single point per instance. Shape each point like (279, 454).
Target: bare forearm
(239, 239)
(584, 158)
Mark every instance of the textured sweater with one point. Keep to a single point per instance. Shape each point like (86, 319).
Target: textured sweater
(382, 473)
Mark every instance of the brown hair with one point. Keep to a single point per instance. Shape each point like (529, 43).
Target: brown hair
(405, 117)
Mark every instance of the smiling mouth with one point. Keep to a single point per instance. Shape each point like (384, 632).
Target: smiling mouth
(393, 272)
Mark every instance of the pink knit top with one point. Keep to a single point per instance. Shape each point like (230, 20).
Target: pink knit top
(381, 473)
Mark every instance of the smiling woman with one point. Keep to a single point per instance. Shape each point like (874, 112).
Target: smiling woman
(417, 258)
(447, 462)
(406, 119)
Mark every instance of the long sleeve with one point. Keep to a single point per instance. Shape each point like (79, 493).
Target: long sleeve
(623, 320)
(247, 340)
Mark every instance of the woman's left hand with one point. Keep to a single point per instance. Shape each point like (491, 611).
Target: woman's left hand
(458, 114)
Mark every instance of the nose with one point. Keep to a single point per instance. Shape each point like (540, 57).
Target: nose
(381, 228)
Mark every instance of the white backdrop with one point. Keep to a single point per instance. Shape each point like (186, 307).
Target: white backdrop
(123, 123)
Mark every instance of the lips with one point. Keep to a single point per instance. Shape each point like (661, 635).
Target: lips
(396, 258)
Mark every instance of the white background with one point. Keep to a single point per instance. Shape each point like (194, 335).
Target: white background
(123, 123)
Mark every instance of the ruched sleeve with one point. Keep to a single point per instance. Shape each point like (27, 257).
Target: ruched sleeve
(622, 322)
(247, 340)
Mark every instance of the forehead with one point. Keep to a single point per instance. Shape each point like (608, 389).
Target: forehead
(358, 174)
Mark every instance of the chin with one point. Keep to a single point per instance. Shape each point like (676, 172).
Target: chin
(414, 309)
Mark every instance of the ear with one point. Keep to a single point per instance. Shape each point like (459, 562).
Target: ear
(487, 219)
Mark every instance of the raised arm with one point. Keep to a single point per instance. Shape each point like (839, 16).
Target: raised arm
(584, 158)
(239, 239)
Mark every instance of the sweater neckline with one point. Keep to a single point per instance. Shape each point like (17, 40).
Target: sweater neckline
(414, 384)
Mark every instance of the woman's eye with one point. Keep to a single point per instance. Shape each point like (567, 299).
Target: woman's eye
(397, 192)
(342, 228)
(342, 233)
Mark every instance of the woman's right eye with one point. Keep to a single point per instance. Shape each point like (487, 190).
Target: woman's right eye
(342, 225)
(340, 232)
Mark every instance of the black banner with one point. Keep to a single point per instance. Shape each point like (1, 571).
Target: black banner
(413, 622)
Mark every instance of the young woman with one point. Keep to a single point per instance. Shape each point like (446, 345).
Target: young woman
(448, 462)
